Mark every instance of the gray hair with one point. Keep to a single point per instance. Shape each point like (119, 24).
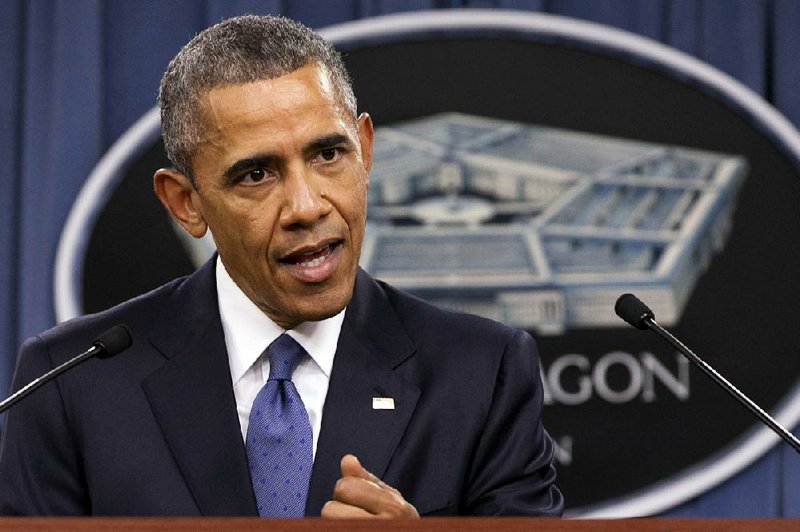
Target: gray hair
(237, 50)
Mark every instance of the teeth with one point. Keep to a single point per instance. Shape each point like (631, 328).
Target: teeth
(315, 262)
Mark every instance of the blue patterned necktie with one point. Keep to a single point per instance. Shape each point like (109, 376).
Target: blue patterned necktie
(279, 437)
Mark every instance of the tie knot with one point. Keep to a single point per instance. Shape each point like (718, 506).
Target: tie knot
(284, 355)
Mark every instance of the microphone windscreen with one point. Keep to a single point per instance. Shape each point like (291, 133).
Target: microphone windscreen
(113, 341)
(631, 309)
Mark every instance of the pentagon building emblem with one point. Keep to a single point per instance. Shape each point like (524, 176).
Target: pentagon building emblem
(542, 228)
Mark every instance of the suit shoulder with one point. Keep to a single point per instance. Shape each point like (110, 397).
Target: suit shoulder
(422, 318)
(77, 333)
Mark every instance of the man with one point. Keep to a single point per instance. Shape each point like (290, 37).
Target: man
(207, 414)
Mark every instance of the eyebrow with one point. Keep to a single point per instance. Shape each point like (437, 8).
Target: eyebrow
(327, 141)
(267, 160)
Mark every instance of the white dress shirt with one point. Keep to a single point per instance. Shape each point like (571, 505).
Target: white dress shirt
(248, 332)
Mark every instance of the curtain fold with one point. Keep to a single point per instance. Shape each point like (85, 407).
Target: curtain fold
(785, 58)
(11, 60)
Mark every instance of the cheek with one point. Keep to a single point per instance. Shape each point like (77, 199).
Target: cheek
(245, 231)
(356, 220)
(256, 233)
(353, 205)
(358, 186)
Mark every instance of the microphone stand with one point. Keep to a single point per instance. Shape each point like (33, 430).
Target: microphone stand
(34, 385)
(114, 340)
(765, 418)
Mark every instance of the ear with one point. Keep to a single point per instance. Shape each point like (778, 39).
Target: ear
(365, 136)
(181, 199)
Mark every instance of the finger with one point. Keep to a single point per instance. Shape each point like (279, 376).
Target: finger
(339, 510)
(359, 488)
(376, 500)
(351, 467)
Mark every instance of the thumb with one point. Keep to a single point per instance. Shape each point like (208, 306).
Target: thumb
(351, 467)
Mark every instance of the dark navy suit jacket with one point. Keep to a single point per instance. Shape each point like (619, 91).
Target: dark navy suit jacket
(154, 430)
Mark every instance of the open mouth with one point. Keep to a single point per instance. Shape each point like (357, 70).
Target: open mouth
(311, 258)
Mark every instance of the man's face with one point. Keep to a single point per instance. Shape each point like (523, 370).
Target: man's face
(282, 176)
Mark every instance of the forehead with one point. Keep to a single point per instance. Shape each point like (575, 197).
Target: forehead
(308, 89)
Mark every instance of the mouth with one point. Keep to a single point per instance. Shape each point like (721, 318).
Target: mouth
(313, 263)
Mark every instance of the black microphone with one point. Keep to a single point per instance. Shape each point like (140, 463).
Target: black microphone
(631, 309)
(113, 341)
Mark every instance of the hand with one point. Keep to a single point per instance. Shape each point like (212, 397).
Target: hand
(359, 493)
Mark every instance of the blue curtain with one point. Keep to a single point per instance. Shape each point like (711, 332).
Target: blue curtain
(75, 74)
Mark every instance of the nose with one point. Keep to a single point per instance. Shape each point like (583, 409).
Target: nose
(304, 203)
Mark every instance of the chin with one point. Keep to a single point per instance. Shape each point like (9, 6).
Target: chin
(323, 306)
(323, 311)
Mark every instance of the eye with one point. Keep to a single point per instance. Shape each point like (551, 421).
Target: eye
(253, 177)
(328, 155)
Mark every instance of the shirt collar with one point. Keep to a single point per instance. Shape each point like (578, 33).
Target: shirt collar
(248, 331)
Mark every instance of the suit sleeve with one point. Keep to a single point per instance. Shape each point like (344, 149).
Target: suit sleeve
(40, 471)
(513, 473)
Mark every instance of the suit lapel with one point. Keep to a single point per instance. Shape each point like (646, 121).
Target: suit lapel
(192, 399)
(371, 346)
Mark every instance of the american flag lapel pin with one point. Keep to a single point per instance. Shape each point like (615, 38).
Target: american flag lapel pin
(382, 403)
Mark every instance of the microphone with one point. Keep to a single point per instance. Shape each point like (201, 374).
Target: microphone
(631, 309)
(113, 341)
